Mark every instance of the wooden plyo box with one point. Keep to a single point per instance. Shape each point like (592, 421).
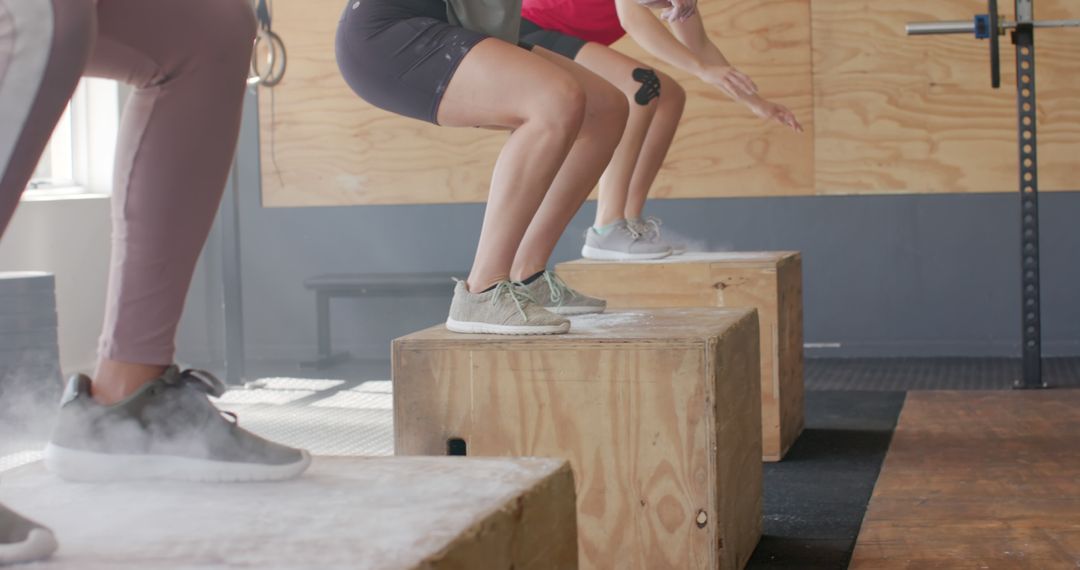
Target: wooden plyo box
(769, 281)
(384, 513)
(656, 410)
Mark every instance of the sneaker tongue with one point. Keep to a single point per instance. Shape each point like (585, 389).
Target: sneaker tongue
(646, 226)
(207, 382)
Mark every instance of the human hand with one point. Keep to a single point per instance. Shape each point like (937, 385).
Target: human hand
(776, 112)
(679, 11)
(731, 81)
(672, 10)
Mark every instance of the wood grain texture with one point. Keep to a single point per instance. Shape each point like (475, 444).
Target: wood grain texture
(655, 410)
(739, 451)
(321, 145)
(788, 356)
(885, 113)
(721, 148)
(386, 513)
(917, 114)
(771, 282)
(979, 480)
(535, 529)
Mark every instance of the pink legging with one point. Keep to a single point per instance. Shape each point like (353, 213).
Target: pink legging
(188, 61)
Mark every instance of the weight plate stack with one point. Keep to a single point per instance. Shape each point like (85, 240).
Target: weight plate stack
(30, 378)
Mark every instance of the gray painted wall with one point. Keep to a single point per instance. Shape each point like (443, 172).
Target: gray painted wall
(894, 275)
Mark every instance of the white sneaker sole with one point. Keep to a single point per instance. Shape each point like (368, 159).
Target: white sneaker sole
(572, 311)
(77, 465)
(589, 252)
(39, 545)
(469, 327)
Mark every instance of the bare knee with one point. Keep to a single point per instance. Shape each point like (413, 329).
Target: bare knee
(611, 106)
(560, 106)
(672, 96)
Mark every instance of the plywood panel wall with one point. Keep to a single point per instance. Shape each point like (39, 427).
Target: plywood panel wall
(884, 113)
(722, 149)
(917, 114)
(322, 145)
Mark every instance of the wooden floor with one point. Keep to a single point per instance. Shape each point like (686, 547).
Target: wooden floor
(978, 480)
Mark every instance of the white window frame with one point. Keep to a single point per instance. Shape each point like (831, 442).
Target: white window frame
(82, 147)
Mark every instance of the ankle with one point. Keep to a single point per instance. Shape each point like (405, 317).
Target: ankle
(532, 278)
(607, 221)
(483, 286)
(607, 228)
(527, 276)
(114, 381)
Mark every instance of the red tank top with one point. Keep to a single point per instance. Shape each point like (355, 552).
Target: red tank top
(590, 20)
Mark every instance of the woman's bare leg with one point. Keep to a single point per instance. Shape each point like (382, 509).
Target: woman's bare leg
(657, 144)
(650, 129)
(544, 106)
(605, 117)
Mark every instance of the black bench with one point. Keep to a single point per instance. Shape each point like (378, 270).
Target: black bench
(335, 285)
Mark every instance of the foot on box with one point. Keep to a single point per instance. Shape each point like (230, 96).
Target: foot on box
(556, 296)
(622, 243)
(505, 309)
(23, 540)
(168, 429)
(649, 228)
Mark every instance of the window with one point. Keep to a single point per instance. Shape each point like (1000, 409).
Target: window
(55, 169)
(79, 157)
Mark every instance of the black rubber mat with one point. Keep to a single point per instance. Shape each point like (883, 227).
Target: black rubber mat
(816, 498)
(904, 374)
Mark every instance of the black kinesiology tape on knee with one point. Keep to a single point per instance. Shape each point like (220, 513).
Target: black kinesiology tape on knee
(650, 85)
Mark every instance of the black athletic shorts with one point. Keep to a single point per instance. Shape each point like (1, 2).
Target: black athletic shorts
(558, 42)
(399, 55)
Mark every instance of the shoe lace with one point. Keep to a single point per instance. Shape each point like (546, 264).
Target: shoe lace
(200, 379)
(560, 291)
(519, 295)
(204, 382)
(647, 226)
(633, 230)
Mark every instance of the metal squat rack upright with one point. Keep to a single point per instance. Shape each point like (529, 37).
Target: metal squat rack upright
(991, 26)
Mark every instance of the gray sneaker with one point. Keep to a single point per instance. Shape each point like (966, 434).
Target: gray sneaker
(506, 309)
(650, 228)
(23, 540)
(556, 296)
(623, 243)
(168, 430)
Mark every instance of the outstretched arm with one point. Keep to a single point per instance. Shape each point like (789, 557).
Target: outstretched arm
(687, 46)
(647, 31)
(691, 33)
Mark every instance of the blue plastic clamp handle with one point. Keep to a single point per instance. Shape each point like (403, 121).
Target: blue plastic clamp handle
(982, 26)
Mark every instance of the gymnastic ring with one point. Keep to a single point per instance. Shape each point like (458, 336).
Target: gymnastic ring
(273, 73)
(257, 75)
